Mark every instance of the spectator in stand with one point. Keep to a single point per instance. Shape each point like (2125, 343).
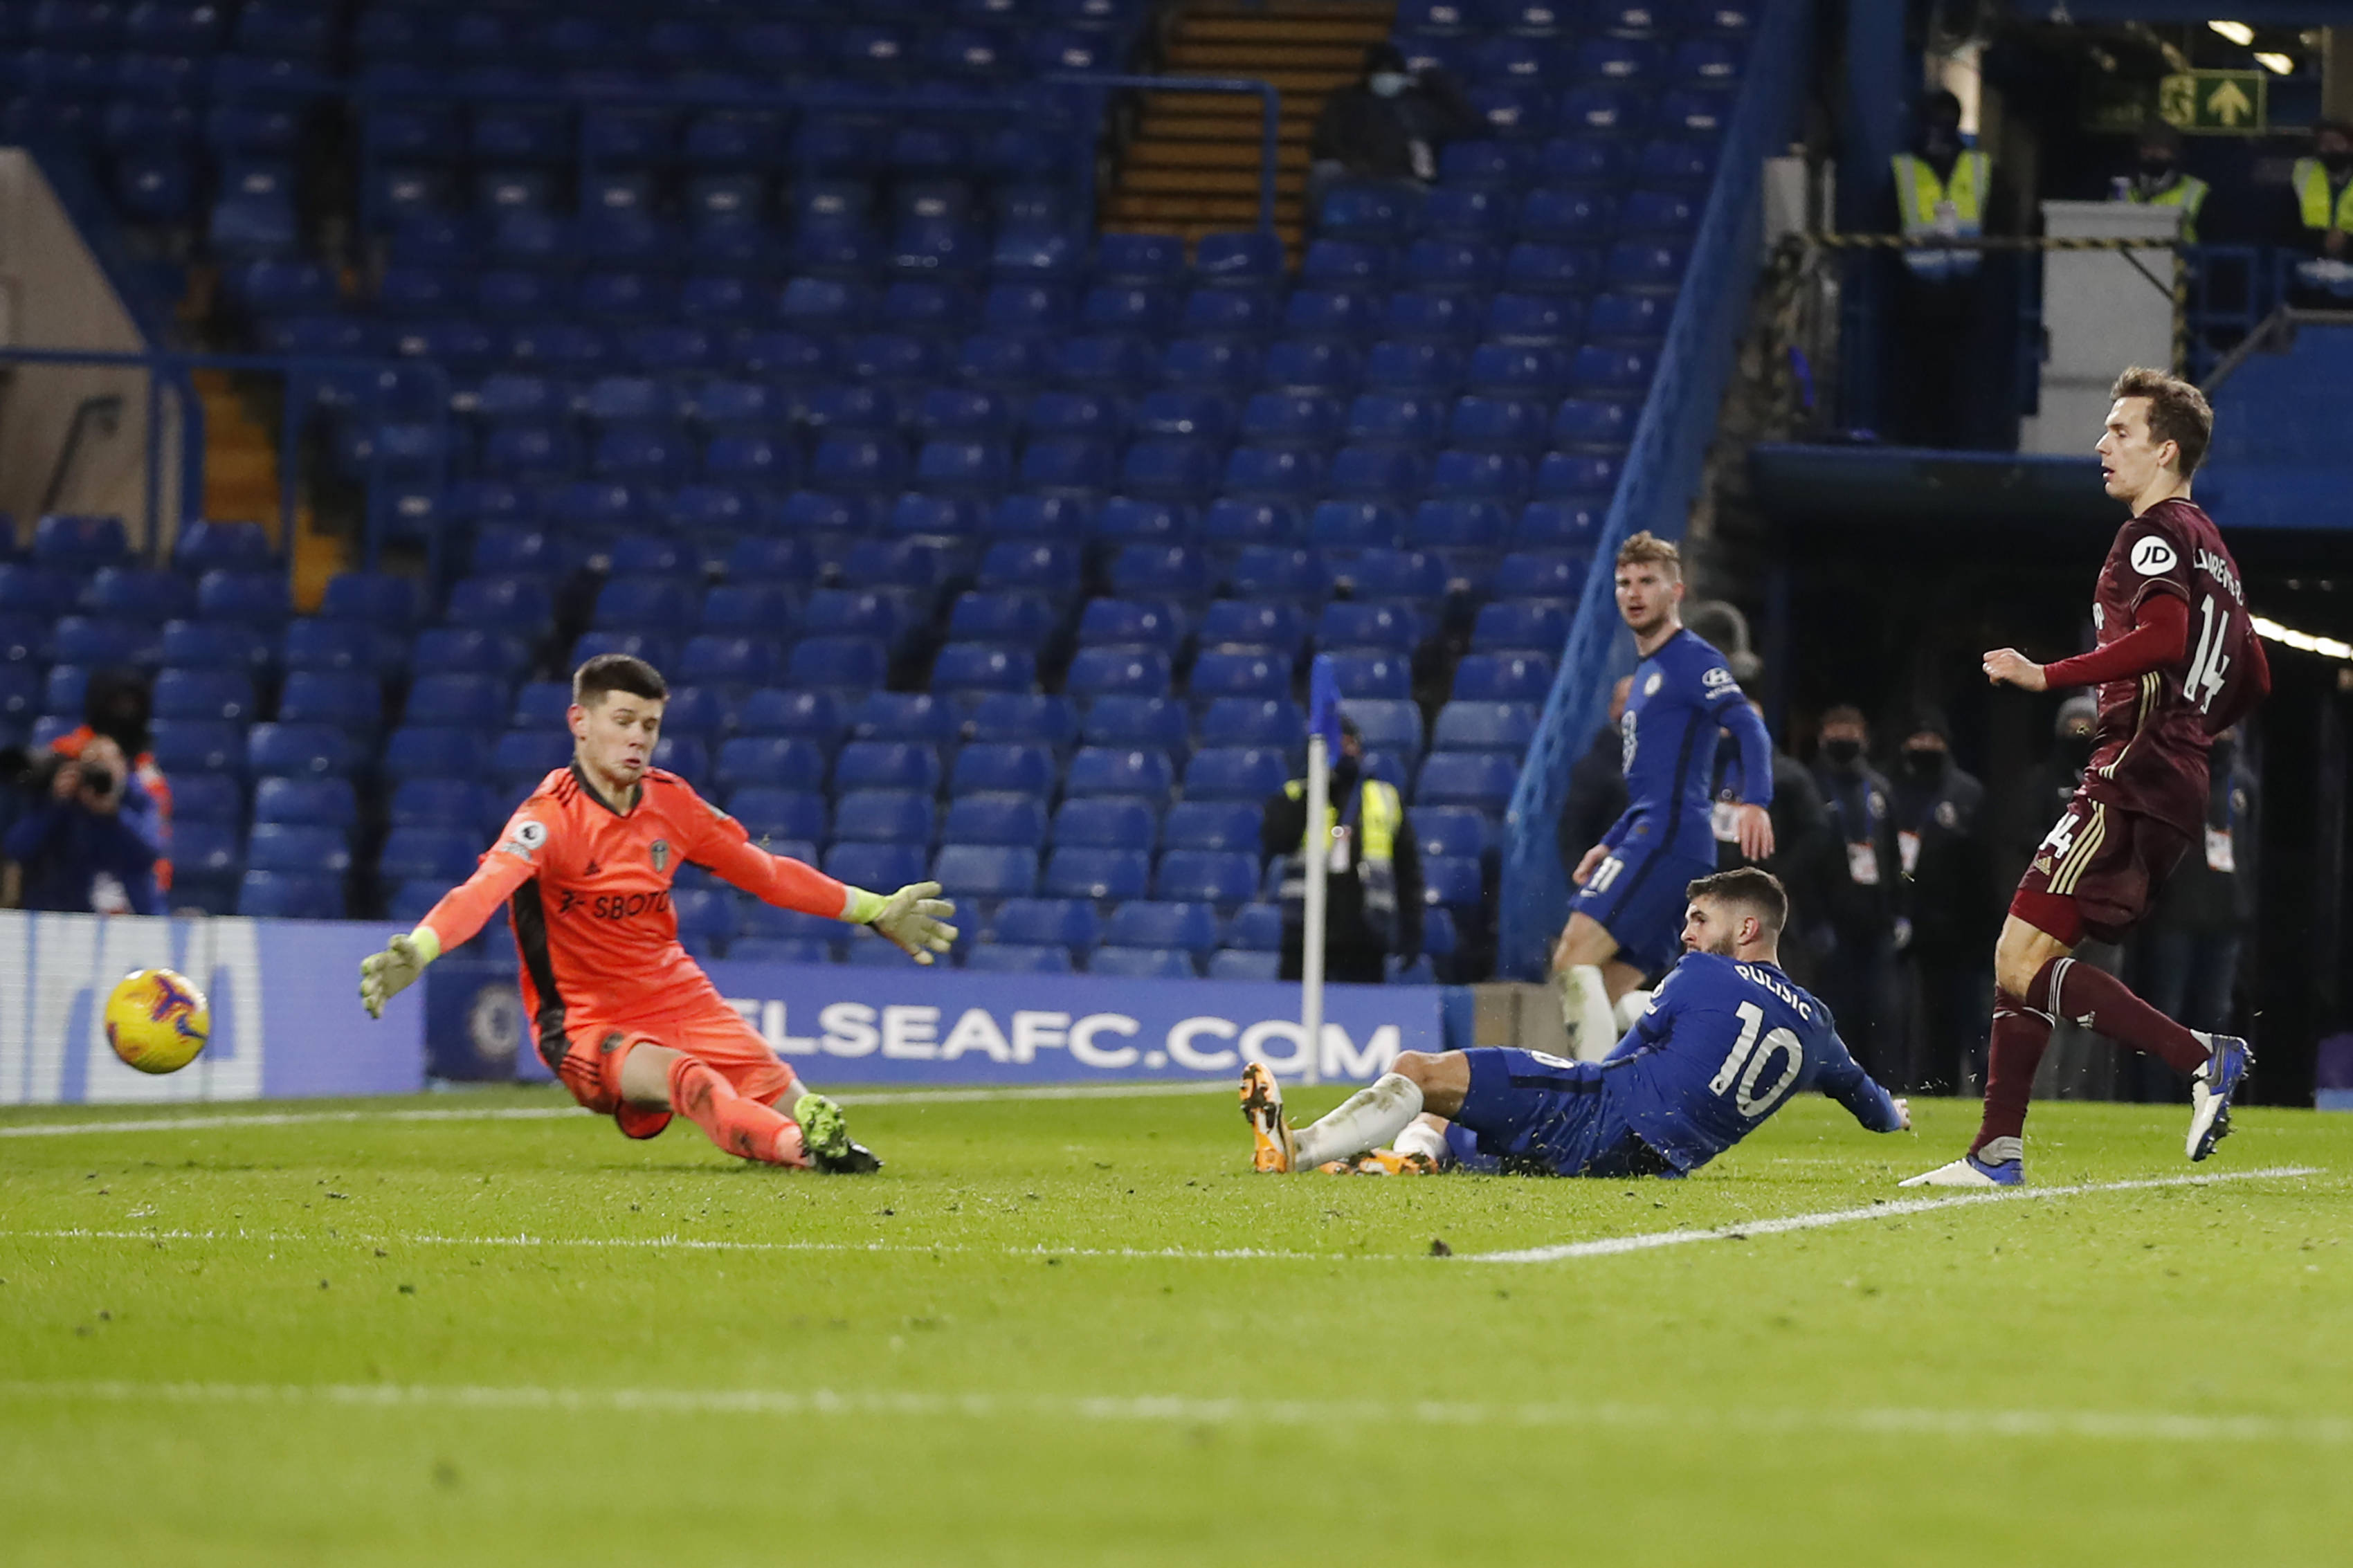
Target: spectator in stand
(2187, 956)
(1858, 977)
(1802, 840)
(1596, 784)
(2321, 189)
(1945, 844)
(117, 707)
(86, 842)
(1942, 373)
(1386, 127)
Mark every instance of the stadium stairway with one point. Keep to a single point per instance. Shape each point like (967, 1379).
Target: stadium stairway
(241, 479)
(1193, 167)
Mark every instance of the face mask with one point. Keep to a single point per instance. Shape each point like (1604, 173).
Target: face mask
(1940, 141)
(1923, 763)
(1842, 753)
(1387, 84)
(2075, 749)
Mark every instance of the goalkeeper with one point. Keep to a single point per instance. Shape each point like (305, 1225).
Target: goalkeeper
(618, 1011)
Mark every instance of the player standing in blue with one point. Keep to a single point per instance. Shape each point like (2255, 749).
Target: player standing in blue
(1725, 1042)
(1629, 904)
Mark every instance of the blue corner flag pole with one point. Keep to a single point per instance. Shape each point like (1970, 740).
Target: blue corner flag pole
(1323, 741)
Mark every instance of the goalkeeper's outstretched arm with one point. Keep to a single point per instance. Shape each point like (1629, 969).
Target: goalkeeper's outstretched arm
(914, 917)
(463, 910)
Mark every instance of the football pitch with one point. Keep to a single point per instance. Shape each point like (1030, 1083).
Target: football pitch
(484, 1328)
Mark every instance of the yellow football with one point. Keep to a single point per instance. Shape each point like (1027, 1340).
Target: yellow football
(156, 1020)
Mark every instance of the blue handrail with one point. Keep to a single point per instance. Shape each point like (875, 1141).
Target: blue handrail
(1663, 468)
(300, 371)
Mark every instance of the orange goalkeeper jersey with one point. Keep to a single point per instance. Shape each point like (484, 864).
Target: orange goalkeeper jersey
(588, 888)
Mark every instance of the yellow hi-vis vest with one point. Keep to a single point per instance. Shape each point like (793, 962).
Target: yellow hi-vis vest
(1372, 856)
(2309, 179)
(1918, 195)
(2188, 193)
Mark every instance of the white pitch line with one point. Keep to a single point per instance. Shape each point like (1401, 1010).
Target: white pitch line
(552, 1112)
(1961, 1425)
(706, 1244)
(1608, 1245)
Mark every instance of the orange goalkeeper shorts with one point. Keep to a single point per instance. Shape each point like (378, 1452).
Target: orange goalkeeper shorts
(717, 1036)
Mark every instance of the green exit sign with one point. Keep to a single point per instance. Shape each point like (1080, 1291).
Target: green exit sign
(2215, 103)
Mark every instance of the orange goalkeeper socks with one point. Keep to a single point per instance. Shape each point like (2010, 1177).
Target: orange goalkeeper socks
(741, 1126)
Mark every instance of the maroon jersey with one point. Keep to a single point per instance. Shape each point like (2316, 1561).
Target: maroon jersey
(2149, 743)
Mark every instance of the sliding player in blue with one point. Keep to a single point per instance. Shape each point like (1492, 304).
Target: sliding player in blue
(1630, 887)
(1725, 1042)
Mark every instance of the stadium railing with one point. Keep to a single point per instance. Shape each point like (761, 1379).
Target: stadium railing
(175, 445)
(1661, 471)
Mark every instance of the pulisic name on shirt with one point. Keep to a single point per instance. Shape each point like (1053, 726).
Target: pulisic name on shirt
(1777, 986)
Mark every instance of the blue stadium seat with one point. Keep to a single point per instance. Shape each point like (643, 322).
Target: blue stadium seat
(1102, 770)
(996, 818)
(1593, 424)
(1454, 883)
(442, 854)
(301, 751)
(1234, 964)
(783, 762)
(1224, 877)
(1543, 574)
(1390, 726)
(987, 870)
(1523, 627)
(1213, 824)
(1589, 478)
(183, 746)
(1485, 726)
(1233, 523)
(206, 797)
(479, 700)
(771, 812)
(1395, 575)
(261, 598)
(884, 817)
(1025, 717)
(1482, 780)
(1362, 626)
(911, 715)
(523, 757)
(1018, 958)
(1142, 964)
(459, 803)
(1452, 830)
(74, 542)
(290, 895)
(347, 697)
(887, 764)
(966, 670)
(297, 847)
(1372, 675)
(1217, 673)
(1235, 773)
(1109, 822)
(1152, 723)
(1378, 419)
(94, 641)
(308, 802)
(1269, 571)
(1130, 623)
(1187, 925)
(1313, 366)
(206, 694)
(883, 866)
(1503, 678)
(1143, 259)
(1018, 620)
(1057, 923)
(156, 596)
(813, 716)
(843, 663)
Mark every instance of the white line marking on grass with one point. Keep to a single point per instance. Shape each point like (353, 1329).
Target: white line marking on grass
(552, 1112)
(702, 1244)
(1179, 1409)
(1608, 1245)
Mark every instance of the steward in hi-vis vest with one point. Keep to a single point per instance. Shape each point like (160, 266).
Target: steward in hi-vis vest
(1373, 891)
(1947, 207)
(2157, 181)
(2322, 186)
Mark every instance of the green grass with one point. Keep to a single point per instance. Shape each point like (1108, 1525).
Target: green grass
(962, 1361)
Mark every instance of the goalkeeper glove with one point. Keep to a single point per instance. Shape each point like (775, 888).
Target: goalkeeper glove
(915, 918)
(384, 976)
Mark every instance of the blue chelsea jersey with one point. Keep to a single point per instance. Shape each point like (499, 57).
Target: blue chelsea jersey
(1723, 1045)
(1682, 694)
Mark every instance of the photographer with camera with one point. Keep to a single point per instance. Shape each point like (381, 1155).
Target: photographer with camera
(93, 831)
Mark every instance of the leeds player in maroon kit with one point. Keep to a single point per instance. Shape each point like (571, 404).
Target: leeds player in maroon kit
(2178, 663)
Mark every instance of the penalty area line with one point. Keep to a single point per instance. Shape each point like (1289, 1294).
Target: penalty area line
(875, 1097)
(1895, 1209)
(1960, 1425)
